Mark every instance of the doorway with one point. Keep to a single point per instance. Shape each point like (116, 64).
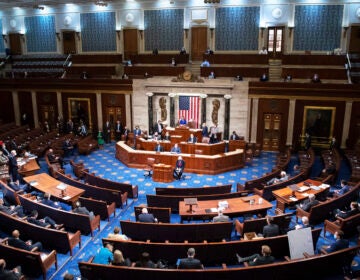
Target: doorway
(69, 42)
(354, 44)
(15, 43)
(275, 40)
(199, 42)
(130, 42)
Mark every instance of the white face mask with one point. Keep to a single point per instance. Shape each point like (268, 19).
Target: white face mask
(335, 236)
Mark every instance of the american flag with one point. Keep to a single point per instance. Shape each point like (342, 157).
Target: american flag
(189, 108)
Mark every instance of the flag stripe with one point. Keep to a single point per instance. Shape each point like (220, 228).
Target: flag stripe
(189, 108)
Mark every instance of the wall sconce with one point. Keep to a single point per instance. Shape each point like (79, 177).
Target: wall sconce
(77, 35)
(4, 38)
(212, 32)
(118, 33)
(141, 32)
(291, 28)
(345, 30)
(262, 29)
(186, 30)
(58, 36)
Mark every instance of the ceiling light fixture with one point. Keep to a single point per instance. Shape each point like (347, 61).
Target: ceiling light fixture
(211, 1)
(38, 7)
(101, 3)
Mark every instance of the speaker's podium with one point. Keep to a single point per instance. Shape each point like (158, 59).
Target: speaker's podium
(190, 201)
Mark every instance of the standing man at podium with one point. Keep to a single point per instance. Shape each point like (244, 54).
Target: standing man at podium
(179, 168)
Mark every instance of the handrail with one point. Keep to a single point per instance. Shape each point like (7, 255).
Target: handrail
(348, 60)
(348, 68)
(67, 59)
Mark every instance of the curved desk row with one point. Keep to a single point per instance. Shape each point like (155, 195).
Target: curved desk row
(202, 164)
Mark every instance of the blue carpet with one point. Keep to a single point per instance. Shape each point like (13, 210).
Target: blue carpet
(104, 163)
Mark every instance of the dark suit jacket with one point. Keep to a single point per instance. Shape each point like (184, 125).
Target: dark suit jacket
(146, 218)
(8, 275)
(234, 137)
(190, 263)
(338, 245)
(271, 230)
(18, 243)
(180, 164)
(13, 163)
(260, 260)
(192, 140)
(348, 213)
(156, 128)
(205, 131)
(308, 204)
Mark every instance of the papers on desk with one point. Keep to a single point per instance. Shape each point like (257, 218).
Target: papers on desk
(33, 183)
(61, 186)
(303, 189)
(315, 188)
(305, 194)
(293, 198)
(66, 197)
(324, 186)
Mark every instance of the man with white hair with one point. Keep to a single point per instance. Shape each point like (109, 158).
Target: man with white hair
(310, 202)
(13, 166)
(179, 168)
(283, 177)
(305, 223)
(220, 217)
(146, 217)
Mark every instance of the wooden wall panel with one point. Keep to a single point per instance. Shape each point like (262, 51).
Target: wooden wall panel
(354, 131)
(114, 100)
(26, 107)
(299, 116)
(7, 107)
(47, 108)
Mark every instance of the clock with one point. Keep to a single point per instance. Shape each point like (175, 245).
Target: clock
(187, 75)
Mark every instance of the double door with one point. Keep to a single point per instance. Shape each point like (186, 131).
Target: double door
(271, 133)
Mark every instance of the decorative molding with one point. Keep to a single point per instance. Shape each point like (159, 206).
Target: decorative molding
(276, 13)
(149, 94)
(227, 96)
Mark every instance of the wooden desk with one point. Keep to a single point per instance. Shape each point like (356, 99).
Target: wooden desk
(184, 132)
(237, 207)
(286, 196)
(162, 173)
(47, 184)
(201, 164)
(29, 168)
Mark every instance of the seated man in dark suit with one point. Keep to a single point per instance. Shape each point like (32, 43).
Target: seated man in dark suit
(83, 210)
(158, 147)
(179, 168)
(15, 241)
(270, 229)
(310, 202)
(145, 261)
(192, 139)
(16, 186)
(146, 217)
(11, 210)
(58, 205)
(7, 274)
(354, 209)
(257, 259)
(55, 159)
(344, 188)
(234, 136)
(190, 262)
(68, 147)
(339, 243)
(176, 149)
(44, 222)
(221, 217)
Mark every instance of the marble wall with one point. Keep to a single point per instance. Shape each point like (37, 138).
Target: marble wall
(213, 89)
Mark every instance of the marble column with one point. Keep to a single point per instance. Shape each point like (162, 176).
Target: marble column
(35, 109)
(128, 111)
(346, 126)
(59, 104)
(254, 119)
(227, 116)
(150, 112)
(15, 97)
(203, 109)
(172, 109)
(99, 111)
(291, 119)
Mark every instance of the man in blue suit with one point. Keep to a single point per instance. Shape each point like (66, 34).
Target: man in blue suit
(176, 149)
(338, 244)
(158, 147)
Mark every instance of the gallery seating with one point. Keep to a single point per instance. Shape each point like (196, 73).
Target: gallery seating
(159, 232)
(95, 192)
(320, 212)
(210, 253)
(33, 264)
(53, 239)
(92, 179)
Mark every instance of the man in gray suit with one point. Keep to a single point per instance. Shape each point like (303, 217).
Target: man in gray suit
(220, 217)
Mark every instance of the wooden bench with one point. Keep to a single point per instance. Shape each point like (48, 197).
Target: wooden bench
(320, 212)
(92, 179)
(257, 225)
(161, 214)
(99, 207)
(87, 145)
(176, 232)
(172, 201)
(266, 191)
(78, 168)
(312, 267)
(95, 192)
(348, 225)
(258, 182)
(194, 191)
(33, 264)
(71, 221)
(58, 240)
(210, 253)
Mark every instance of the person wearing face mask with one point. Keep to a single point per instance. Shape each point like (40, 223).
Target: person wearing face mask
(339, 243)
